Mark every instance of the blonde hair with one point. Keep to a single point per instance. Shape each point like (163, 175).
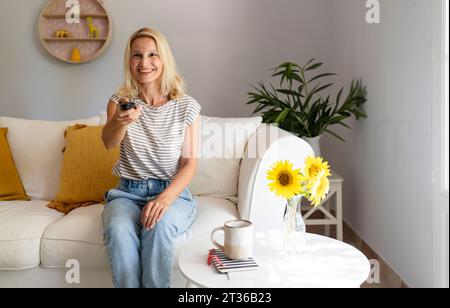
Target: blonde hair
(172, 85)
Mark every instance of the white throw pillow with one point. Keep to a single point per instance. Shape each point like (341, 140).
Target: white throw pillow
(36, 148)
(222, 146)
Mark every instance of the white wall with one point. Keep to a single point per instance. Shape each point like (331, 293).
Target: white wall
(221, 47)
(386, 161)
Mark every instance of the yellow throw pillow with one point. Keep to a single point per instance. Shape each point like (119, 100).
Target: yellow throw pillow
(11, 187)
(86, 171)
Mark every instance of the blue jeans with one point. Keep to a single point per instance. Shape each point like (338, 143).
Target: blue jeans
(139, 257)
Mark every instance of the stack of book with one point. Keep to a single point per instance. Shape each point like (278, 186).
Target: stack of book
(225, 265)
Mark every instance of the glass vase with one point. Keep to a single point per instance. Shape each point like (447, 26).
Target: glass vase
(294, 228)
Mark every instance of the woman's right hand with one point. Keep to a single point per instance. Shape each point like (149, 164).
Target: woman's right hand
(126, 117)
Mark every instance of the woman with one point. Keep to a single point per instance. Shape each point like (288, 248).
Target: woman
(158, 141)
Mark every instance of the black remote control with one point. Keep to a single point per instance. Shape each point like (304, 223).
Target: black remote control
(128, 106)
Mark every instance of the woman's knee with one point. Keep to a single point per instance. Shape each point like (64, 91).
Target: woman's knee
(174, 222)
(164, 228)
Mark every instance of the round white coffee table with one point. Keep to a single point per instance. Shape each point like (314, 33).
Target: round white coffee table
(323, 263)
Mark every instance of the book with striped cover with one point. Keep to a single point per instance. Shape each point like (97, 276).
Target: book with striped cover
(225, 265)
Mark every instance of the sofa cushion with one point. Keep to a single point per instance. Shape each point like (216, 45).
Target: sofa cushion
(86, 171)
(36, 148)
(212, 212)
(222, 146)
(79, 235)
(22, 224)
(11, 187)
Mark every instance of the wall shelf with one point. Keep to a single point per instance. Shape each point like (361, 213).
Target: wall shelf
(53, 18)
(81, 15)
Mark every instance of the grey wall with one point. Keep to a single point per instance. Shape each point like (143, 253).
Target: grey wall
(386, 161)
(221, 47)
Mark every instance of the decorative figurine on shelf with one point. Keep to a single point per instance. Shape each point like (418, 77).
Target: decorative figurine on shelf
(76, 55)
(93, 31)
(62, 33)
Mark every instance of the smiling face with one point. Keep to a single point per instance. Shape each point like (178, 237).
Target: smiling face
(145, 62)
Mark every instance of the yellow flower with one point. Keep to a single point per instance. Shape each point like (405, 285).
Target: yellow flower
(314, 165)
(319, 187)
(286, 182)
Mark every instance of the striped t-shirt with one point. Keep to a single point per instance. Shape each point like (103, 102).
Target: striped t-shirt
(152, 145)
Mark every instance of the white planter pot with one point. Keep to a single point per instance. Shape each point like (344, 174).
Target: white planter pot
(315, 144)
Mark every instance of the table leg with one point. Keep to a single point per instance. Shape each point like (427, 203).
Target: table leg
(327, 207)
(340, 227)
(191, 285)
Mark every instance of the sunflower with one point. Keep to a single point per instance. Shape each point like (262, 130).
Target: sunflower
(319, 187)
(286, 182)
(314, 165)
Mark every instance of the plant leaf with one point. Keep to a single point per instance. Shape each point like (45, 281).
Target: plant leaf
(335, 135)
(313, 67)
(322, 88)
(310, 61)
(282, 116)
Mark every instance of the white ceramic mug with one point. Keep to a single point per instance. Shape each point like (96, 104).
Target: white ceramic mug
(238, 243)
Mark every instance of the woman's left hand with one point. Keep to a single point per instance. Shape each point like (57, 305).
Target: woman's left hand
(153, 212)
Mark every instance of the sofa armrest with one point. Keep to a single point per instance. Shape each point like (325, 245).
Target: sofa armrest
(268, 145)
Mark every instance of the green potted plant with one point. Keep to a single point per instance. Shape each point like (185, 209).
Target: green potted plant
(298, 107)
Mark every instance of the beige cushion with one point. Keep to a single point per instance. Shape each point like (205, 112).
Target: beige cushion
(36, 149)
(212, 212)
(222, 146)
(22, 224)
(79, 235)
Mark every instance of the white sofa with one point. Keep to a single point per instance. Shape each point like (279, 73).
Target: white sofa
(37, 242)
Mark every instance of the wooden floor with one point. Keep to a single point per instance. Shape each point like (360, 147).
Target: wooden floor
(388, 278)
